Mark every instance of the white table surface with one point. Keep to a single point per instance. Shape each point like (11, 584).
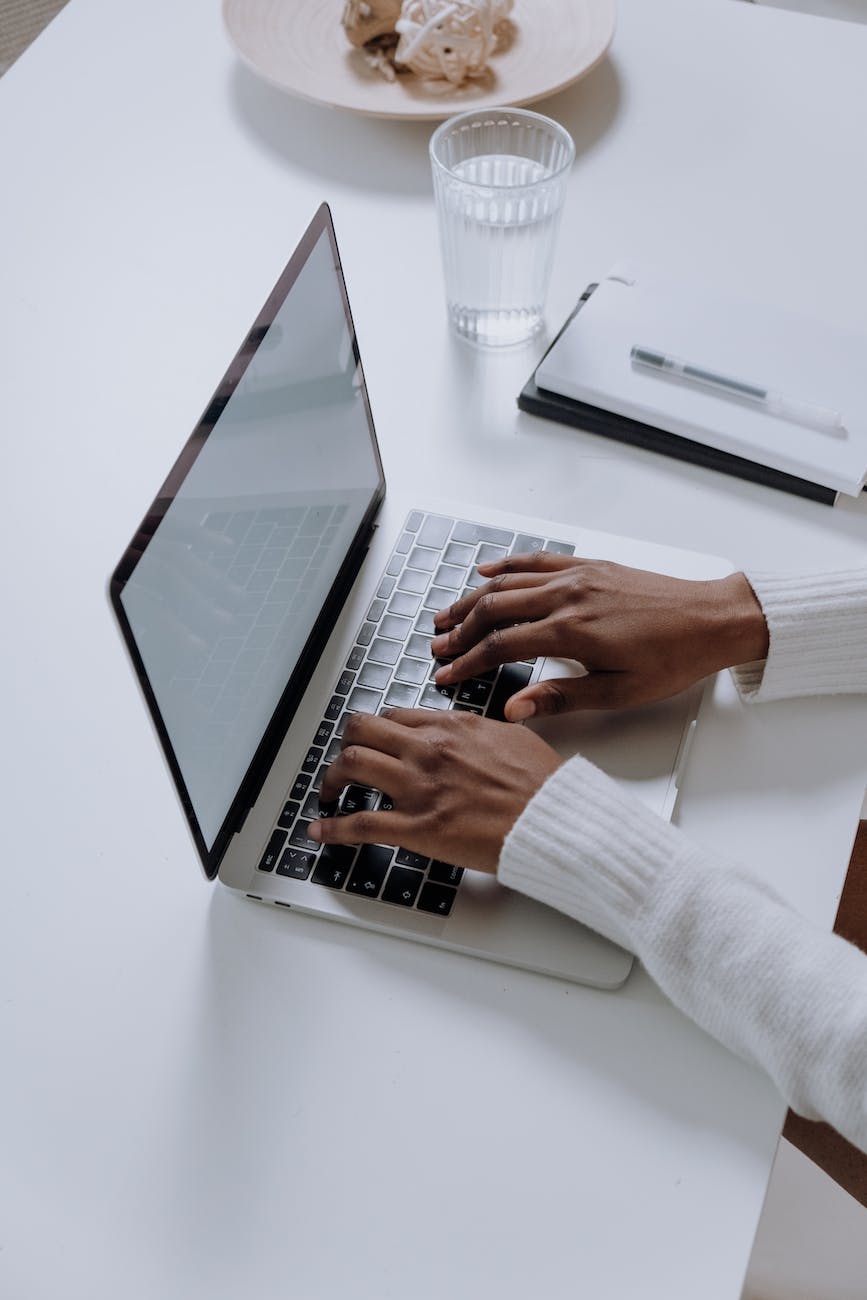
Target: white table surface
(204, 1097)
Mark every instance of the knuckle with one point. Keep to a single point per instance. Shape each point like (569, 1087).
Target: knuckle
(555, 699)
(354, 723)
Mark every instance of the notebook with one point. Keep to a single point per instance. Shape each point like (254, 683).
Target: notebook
(274, 588)
(588, 378)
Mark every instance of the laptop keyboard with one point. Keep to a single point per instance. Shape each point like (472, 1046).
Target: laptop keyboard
(390, 665)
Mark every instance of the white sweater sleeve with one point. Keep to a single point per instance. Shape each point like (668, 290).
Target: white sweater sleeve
(727, 950)
(723, 947)
(818, 635)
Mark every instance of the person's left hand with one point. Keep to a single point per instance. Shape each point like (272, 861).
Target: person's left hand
(458, 783)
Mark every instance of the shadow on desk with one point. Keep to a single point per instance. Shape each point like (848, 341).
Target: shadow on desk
(391, 156)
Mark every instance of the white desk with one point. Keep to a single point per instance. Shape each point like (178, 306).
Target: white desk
(386, 1121)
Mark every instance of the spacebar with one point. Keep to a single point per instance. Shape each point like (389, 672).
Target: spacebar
(511, 679)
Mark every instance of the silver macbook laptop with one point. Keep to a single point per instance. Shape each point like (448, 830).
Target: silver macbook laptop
(273, 589)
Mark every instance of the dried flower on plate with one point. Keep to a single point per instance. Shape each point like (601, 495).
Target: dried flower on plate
(449, 39)
(366, 20)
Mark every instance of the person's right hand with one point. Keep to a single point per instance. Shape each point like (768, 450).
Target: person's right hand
(641, 636)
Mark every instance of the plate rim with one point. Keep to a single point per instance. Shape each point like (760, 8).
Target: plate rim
(425, 113)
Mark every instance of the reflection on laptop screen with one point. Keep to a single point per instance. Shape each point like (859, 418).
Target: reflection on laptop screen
(226, 594)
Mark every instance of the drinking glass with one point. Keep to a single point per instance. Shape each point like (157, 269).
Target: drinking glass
(500, 177)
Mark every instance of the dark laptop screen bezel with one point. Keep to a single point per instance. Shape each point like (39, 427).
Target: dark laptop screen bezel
(287, 705)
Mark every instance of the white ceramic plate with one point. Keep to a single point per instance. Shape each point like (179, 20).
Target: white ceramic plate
(300, 46)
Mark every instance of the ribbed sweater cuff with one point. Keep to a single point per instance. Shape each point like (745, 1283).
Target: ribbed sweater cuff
(818, 633)
(587, 848)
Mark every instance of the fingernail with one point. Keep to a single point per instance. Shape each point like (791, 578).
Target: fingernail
(438, 643)
(522, 709)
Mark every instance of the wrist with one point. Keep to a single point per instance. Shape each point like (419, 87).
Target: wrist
(741, 628)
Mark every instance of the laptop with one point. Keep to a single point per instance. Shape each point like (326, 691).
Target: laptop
(273, 589)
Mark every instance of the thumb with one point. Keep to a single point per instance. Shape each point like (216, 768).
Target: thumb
(563, 695)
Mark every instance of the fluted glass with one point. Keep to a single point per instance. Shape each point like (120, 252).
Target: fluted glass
(500, 178)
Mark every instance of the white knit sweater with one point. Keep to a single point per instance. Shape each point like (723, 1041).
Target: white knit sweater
(782, 992)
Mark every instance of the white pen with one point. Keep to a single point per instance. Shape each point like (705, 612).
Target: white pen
(816, 417)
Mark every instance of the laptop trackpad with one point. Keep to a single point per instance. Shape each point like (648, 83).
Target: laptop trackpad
(640, 747)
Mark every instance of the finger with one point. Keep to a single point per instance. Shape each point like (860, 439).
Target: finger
(566, 695)
(502, 645)
(493, 609)
(375, 731)
(456, 613)
(357, 765)
(530, 562)
(363, 828)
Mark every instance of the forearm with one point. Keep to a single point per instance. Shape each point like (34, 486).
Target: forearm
(723, 947)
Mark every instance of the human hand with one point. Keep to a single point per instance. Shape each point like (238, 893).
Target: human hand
(457, 782)
(641, 636)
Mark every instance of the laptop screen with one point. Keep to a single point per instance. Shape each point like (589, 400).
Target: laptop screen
(230, 574)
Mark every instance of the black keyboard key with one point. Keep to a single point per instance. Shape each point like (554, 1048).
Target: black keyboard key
(443, 873)
(335, 704)
(333, 866)
(436, 697)
(323, 733)
(402, 886)
(345, 684)
(473, 692)
(316, 784)
(312, 759)
(296, 863)
(371, 867)
(386, 803)
(341, 725)
(272, 853)
(406, 858)
(475, 533)
(358, 798)
(300, 788)
(467, 708)
(288, 815)
(310, 811)
(435, 531)
(301, 840)
(511, 679)
(333, 750)
(436, 898)
(364, 701)
(356, 658)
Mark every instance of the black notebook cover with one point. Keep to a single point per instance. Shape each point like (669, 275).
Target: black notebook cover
(593, 419)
